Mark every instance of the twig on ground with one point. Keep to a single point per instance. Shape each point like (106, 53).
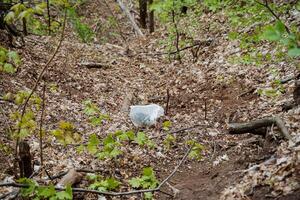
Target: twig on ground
(94, 65)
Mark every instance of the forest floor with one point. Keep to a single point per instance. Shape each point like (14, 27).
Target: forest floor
(205, 96)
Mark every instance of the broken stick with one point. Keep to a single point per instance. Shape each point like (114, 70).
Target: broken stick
(93, 65)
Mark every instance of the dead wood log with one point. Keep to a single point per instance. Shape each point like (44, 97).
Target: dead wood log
(250, 127)
(70, 178)
(25, 160)
(131, 19)
(93, 65)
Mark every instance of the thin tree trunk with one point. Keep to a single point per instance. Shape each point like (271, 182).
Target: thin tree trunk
(151, 18)
(143, 13)
(24, 23)
(49, 17)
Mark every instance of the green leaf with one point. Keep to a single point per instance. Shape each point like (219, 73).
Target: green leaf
(96, 120)
(9, 68)
(140, 138)
(32, 185)
(279, 27)
(135, 182)
(148, 195)
(65, 195)
(10, 17)
(90, 108)
(93, 143)
(46, 192)
(115, 152)
(167, 125)
(39, 8)
(112, 183)
(271, 34)
(294, 52)
(148, 171)
(14, 57)
(130, 135)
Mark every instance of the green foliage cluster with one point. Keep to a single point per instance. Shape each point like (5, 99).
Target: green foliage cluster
(84, 32)
(95, 116)
(36, 192)
(9, 61)
(278, 33)
(66, 133)
(250, 15)
(112, 143)
(180, 26)
(146, 181)
(27, 125)
(196, 149)
(101, 184)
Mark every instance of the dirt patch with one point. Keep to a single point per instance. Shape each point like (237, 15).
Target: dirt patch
(206, 180)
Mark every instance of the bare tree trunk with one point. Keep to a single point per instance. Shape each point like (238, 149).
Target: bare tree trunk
(143, 13)
(49, 17)
(151, 18)
(24, 23)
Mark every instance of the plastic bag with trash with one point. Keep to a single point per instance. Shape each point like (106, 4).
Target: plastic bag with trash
(145, 115)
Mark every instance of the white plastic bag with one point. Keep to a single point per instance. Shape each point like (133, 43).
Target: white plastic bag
(145, 115)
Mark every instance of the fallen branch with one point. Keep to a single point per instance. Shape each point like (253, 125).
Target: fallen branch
(249, 127)
(81, 190)
(93, 65)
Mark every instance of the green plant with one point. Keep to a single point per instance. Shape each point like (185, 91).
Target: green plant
(166, 125)
(84, 32)
(110, 149)
(142, 140)
(170, 12)
(278, 33)
(111, 144)
(66, 133)
(9, 61)
(196, 150)
(28, 124)
(169, 141)
(36, 192)
(95, 116)
(146, 181)
(103, 185)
